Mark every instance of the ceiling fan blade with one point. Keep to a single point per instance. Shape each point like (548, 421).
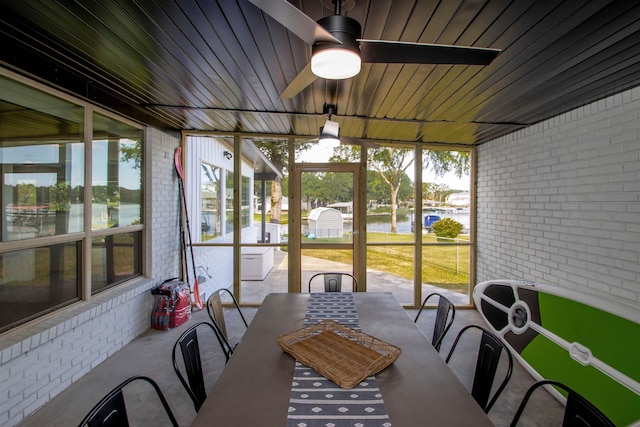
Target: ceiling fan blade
(295, 21)
(309, 141)
(302, 80)
(345, 140)
(383, 51)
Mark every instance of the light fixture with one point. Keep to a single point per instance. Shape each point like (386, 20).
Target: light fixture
(227, 155)
(330, 132)
(335, 64)
(337, 60)
(329, 135)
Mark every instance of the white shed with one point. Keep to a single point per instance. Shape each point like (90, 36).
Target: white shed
(325, 222)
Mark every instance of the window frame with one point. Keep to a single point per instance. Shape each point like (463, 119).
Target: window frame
(84, 237)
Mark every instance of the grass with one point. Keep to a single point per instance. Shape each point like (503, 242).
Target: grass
(446, 266)
(284, 217)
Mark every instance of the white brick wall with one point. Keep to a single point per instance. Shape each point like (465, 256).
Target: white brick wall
(559, 202)
(163, 241)
(39, 360)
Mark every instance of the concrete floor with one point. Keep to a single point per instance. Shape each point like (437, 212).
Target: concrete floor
(254, 291)
(150, 355)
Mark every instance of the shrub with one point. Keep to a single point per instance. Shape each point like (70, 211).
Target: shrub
(447, 227)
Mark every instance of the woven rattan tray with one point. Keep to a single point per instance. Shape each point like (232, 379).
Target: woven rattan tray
(339, 353)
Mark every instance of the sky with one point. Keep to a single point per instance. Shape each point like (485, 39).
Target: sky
(319, 154)
(451, 180)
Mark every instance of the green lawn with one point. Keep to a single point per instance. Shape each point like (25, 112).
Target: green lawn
(284, 218)
(446, 266)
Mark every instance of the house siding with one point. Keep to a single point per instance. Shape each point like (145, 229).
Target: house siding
(559, 202)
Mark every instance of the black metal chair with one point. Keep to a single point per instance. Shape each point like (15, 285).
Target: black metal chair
(445, 314)
(486, 366)
(333, 281)
(190, 349)
(578, 411)
(216, 314)
(112, 411)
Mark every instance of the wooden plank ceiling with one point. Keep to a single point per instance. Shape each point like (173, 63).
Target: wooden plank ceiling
(221, 65)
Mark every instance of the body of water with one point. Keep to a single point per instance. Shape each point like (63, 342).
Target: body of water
(382, 223)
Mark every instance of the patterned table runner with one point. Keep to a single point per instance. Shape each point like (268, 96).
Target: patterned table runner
(317, 402)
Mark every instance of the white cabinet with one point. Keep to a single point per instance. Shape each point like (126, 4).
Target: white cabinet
(256, 263)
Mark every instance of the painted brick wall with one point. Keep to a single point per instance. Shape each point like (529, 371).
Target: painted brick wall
(559, 202)
(46, 358)
(163, 242)
(39, 360)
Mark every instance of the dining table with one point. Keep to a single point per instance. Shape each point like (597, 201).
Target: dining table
(418, 388)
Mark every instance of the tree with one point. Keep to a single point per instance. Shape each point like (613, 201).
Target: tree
(132, 153)
(59, 197)
(392, 163)
(378, 190)
(26, 194)
(277, 151)
(336, 187)
(311, 183)
(435, 192)
(429, 191)
(405, 192)
(441, 162)
(447, 229)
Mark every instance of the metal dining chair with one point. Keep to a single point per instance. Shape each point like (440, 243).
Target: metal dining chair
(578, 410)
(216, 314)
(112, 411)
(446, 313)
(487, 361)
(190, 348)
(333, 281)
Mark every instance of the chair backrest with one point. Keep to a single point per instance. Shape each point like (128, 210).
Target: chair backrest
(486, 366)
(111, 409)
(216, 314)
(333, 281)
(190, 349)
(578, 410)
(445, 314)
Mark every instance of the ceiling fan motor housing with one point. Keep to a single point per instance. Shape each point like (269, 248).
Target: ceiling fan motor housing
(345, 29)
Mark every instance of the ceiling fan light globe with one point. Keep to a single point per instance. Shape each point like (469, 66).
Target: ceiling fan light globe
(335, 63)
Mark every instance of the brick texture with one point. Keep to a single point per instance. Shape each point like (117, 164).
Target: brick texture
(559, 202)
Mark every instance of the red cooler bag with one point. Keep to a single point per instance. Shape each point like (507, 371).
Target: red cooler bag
(173, 304)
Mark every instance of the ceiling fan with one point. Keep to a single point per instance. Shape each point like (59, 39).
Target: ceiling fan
(340, 36)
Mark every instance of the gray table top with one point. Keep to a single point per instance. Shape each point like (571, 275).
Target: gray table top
(418, 389)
